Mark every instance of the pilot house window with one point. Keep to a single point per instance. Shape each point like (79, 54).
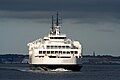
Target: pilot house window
(71, 52)
(40, 52)
(57, 37)
(48, 52)
(48, 47)
(52, 52)
(76, 52)
(44, 52)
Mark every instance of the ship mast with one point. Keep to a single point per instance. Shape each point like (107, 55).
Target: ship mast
(55, 29)
(52, 25)
(57, 19)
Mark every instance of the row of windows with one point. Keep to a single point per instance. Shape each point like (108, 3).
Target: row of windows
(60, 52)
(60, 57)
(58, 47)
(57, 37)
(54, 56)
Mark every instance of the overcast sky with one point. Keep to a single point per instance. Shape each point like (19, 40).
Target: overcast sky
(95, 23)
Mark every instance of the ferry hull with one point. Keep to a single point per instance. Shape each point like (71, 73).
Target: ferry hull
(53, 67)
(46, 63)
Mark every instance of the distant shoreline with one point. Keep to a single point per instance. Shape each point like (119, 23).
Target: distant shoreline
(86, 60)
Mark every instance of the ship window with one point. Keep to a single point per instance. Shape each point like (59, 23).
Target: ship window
(64, 52)
(55, 47)
(36, 56)
(44, 52)
(48, 47)
(65, 57)
(52, 56)
(63, 47)
(51, 47)
(41, 56)
(56, 52)
(57, 37)
(48, 52)
(60, 37)
(52, 52)
(76, 56)
(71, 52)
(63, 38)
(51, 37)
(59, 47)
(60, 52)
(67, 47)
(76, 52)
(68, 52)
(40, 52)
(46, 39)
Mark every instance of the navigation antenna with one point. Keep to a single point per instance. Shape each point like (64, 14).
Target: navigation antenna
(52, 24)
(57, 19)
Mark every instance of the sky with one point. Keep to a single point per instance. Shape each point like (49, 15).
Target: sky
(95, 23)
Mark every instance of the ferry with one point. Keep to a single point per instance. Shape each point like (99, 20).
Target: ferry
(55, 50)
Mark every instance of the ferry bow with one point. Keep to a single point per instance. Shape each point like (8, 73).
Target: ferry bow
(55, 51)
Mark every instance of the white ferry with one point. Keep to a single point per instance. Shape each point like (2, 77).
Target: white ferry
(55, 51)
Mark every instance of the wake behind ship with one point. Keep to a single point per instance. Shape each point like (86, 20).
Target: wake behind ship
(55, 51)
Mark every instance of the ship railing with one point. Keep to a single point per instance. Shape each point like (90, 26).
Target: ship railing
(67, 41)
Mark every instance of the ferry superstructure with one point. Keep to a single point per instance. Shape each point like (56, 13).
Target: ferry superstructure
(55, 51)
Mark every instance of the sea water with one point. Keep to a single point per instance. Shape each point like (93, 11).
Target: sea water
(88, 72)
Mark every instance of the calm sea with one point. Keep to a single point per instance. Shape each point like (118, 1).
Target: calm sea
(88, 72)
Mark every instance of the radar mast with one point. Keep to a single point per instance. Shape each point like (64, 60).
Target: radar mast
(55, 28)
(57, 19)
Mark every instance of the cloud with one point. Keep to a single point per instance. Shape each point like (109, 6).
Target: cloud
(105, 22)
(69, 8)
(98, 23)
(24, 14)
(106, 30)
(94, 22)
(62, 5)
(93, 12)
(64, 14)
